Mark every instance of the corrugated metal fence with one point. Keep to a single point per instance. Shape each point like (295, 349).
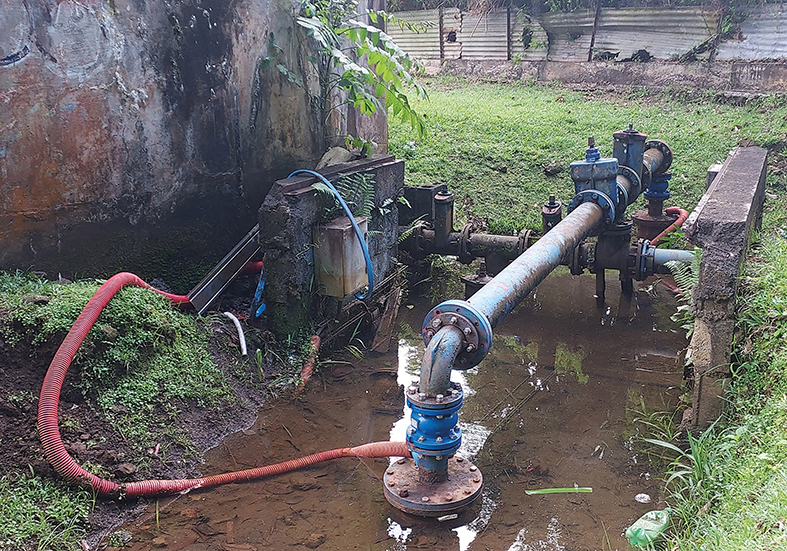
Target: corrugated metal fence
(621, 34)
(763, 35)
(449, 34)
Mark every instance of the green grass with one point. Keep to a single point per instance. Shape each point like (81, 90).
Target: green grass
(41, 514)
(729, 489)
(491, 142)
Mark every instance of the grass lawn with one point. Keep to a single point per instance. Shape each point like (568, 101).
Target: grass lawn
(491, 142)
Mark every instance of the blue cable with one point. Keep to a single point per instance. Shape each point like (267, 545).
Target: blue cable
(257, 305)
(361, 240)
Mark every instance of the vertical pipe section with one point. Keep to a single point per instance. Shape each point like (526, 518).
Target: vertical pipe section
(499, 296)
(443, 218)
(438, 360)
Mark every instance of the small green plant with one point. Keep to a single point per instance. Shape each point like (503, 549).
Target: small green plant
(119, 538)
(22, 399)
(570, 362)
(686, 277)
(356, 189)
(259, 360)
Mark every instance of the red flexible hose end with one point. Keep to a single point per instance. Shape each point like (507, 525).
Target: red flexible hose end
(308, 365)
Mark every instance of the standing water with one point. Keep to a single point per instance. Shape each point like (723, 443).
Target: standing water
(551, 406)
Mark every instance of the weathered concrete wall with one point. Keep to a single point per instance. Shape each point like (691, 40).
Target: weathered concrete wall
(720, 226)
(138, 135)
(741, 76)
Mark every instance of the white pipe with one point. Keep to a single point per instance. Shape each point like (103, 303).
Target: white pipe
(242, 338)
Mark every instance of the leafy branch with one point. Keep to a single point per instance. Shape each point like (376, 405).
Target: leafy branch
(379, 83)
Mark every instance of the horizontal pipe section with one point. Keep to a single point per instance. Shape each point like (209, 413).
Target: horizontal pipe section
(662, 256)
(438, 360)
(499, 296)
(478, 244)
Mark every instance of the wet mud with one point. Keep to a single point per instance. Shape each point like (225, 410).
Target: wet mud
(551, 406)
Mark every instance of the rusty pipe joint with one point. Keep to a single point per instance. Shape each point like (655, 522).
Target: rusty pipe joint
(656, 160)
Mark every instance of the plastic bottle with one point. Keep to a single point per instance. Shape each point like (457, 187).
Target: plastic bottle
(647, 528)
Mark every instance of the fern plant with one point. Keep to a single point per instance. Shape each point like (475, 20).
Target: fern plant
(357, 190)
(686, 277)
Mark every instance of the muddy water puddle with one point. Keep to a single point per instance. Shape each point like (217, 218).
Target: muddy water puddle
(550, 406)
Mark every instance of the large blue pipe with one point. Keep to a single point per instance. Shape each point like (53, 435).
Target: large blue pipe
(512, 285)
(507, 289)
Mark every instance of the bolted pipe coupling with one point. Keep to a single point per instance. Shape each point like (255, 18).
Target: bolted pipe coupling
(433, 435)
(599, 198)
(475, 327)
(645, 259)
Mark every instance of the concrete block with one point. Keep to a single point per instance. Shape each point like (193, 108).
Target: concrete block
(713, 171)
(721, 225)
(287, 217)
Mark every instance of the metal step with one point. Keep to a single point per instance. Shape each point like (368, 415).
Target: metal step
(225, 271)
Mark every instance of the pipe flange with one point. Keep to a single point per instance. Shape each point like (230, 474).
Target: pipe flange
(465, 256)
(643, 260)
(623, 201)
(632, 175)
(475, 327)
(523, 243)
(647, 176)
(599, 198)
(405, 491)
(449, 403)
(666, 152)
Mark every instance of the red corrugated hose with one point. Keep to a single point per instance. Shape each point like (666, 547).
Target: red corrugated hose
(64, 464)
(682, 215)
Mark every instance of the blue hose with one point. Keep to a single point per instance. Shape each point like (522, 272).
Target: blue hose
(361, 240)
